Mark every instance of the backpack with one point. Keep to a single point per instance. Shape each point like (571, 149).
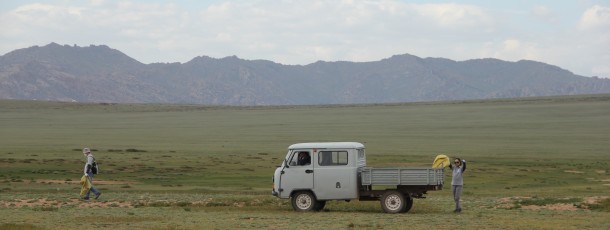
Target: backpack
(94, 167)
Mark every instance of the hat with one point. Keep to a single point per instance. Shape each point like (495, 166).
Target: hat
(86, 150)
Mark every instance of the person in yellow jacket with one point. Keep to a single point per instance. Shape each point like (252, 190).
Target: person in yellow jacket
(90, 169)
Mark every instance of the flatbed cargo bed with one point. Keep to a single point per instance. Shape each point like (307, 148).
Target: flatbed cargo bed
(402, 176)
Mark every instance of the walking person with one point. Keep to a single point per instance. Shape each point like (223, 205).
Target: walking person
(457, 181)
(89, 170)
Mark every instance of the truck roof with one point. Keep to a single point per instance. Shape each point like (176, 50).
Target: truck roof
(327, 145)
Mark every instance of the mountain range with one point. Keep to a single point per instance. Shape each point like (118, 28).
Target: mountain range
(101, 74)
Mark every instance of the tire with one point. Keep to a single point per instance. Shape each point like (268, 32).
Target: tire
(304, 201)
(409, 204)
(319, 205)
(393, 201)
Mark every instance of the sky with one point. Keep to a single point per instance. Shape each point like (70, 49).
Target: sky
(572, 34)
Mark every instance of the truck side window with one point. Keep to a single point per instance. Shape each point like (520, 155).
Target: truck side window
(326, 158)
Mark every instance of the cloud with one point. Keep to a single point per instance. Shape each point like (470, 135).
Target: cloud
(511, 45)
(594, 40)
(454, 15)
(297, 32)
(596, 17)
(123, 25)
(44, 16)
(512, 49)
(545, 14)
(302, 32)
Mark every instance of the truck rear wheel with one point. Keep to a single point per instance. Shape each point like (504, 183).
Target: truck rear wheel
(393, 201)
(304, 201)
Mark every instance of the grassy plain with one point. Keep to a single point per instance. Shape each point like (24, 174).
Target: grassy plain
(534, 163)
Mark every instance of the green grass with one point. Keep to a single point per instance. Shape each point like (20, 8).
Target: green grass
(186, 166)
(18, 226)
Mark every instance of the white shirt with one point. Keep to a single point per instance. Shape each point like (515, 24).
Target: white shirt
(90, 161)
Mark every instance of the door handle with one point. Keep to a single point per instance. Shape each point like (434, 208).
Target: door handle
(308, 171)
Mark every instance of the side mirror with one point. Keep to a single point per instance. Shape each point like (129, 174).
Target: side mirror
(293, 163)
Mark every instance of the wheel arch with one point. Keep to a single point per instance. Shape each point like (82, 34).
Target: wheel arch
(303, 190)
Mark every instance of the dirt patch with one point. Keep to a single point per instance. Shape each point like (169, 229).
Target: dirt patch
(574, 171)
(512, 203)
(95, 182)
(507, 202)
(594, 199)
(34, 203)
(558, 207)
(511, 199)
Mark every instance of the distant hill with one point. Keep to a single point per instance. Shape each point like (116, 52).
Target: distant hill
(101, 74)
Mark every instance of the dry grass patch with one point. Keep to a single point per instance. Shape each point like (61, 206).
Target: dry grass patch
(557, 207)
(558, 204)
(55, 204)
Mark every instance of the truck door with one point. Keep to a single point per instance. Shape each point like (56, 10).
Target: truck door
(335, 175)
(298, 175)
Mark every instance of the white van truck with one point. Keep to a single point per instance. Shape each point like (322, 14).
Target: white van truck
(313, 173)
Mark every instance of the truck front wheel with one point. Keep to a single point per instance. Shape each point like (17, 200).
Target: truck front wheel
(393, 201)
(304, 201)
